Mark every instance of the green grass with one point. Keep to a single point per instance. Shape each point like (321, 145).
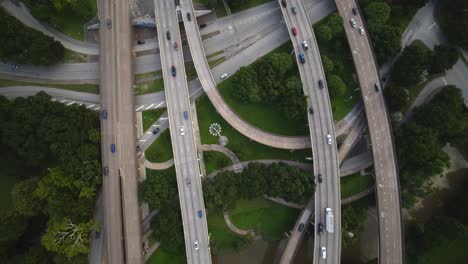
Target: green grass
(215, 160)
(354, 184)
(269, 219)
(7, 181)
(150, 116)
(243, 147)
(222, 240)
(214, 54)
(447, 252)
(337, 50)
(71, 56)
(190, 71)
(153, 74)
(85, 88)
(213, 63)
(149, 87)
(163, 257)
(161, 149)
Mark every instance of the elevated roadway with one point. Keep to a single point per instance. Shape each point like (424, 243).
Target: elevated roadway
(383, 151)
(182, 136)
(324, 150)
(121, 210)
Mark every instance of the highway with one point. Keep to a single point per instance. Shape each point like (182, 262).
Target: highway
(182, 137)
(383, 152)
(121, 210)
(325, 154)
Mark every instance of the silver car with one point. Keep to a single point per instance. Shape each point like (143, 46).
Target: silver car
(182, 132)
(195, 244)
(329, 140)
(361, 31)
(353, 22)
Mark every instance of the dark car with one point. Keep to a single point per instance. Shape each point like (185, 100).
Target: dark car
(294, 10)
(319, 178)
(176, 46)
(168, 35)
(104, 114)
(108, 23)
(185, 115)
(301, 227)
(156, 131)
(202, 25)
(283, 3)
(354, 11)
(301, 58)
(105, 171)
(320, 82)
(139, 42)
(376, 87)
(112, 148)
(320, 228)
(176, 2)
(173, 71)
(138, 148)
(98, 234)
(189, 16)
(200, 214)
(311, 110)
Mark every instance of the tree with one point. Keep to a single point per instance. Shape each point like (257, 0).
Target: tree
(335, 23)
(294, 104)
(12, 226)
(397, 98)
(272, 69)
(445, 115)
(167, 227)
(33, 255)
(444, 58)
(25, 45)
(67, 238)
(386, 41)
(158, 189)
(378, 12)
(24, 200)
(414, 60)
(328, 64)
(353, 221)
(246, 85)
(323, 32)
(453, 20)
(335, 85)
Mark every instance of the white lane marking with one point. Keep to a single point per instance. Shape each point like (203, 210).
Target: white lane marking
(97, 108)
(53, 100)
(141, 140)
(72, 102)
(149, 106)
(89, 106)
(429, 28)
(149, 132)
(63, 101)
(159, 104)
(140, 107)
(163, 118)
(443, 79)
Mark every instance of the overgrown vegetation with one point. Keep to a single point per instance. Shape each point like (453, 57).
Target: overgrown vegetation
(453, 19)
(386, 22)
(24, 45)
(275, 180)
(57, 166)
(419, 142)
(354, 219)
(69, 16)
(338, 64)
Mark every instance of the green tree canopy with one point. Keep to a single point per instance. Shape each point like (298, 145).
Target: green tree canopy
(336, 86)
(354, 218)
(415, 59)
(167, 227)
(396, 97)
(335, 23)
(444, 58)
(378, 12)
(246, 85)
(294, 104)
(24, 200)
(159, 188)
(386, 41)
(328, 64)
(323, 32)
(454, 21)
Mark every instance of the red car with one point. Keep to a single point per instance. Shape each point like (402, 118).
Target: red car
(294, 31)
(176, 46)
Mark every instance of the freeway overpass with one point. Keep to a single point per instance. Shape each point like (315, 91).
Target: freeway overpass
(383, 151)
(182, 136)
(121, 210)
(321, 126)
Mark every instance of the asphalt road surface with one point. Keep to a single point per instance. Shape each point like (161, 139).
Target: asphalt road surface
(321, 125)
(386, 174)
(121, 210)
(182, 137)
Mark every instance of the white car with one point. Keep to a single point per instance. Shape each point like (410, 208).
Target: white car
(323, 252)
(329, 140)
(353, 22)
(361, 31)
(304, 44)
(195, 244)
(182, 130)
(224, 76)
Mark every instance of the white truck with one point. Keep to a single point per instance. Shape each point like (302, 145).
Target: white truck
(329, 220)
